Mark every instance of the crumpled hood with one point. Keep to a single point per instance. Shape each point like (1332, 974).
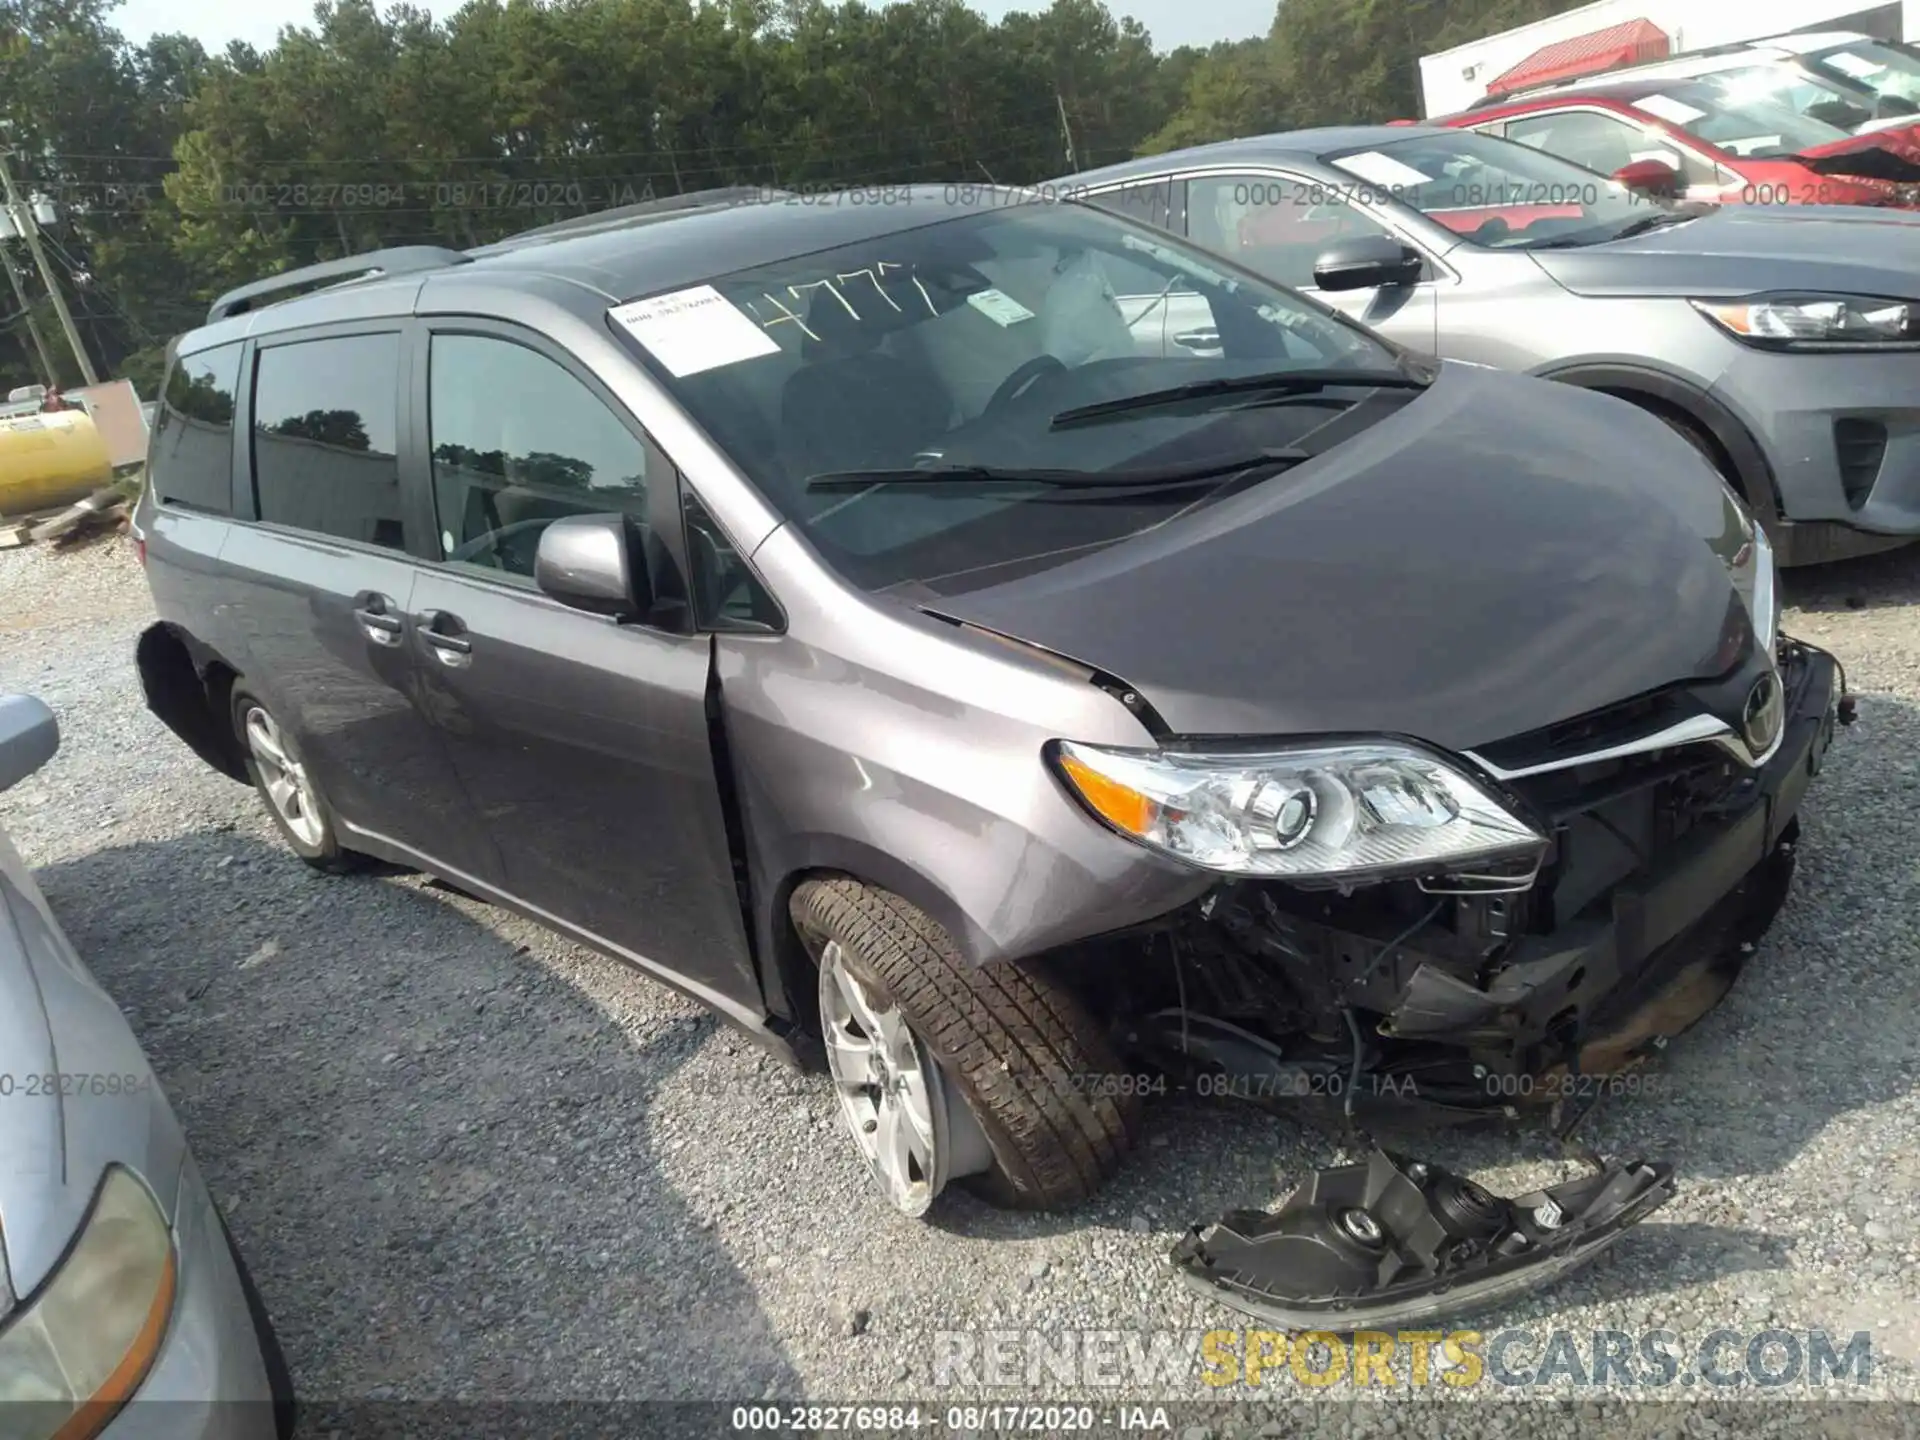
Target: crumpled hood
(1902, 142)
(1746, 249)
(1501, 554)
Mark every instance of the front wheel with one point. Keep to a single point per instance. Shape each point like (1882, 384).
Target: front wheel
(951, 1071)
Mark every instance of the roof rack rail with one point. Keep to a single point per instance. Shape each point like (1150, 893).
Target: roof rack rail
(660, 205)
(398, 260)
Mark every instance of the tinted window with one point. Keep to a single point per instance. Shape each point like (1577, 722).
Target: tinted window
(1605, 143)
(1277, 227)
(324, 438)
(518, 443)
(1599, 142)
(726, 594)
(191, 463)
(1157, 202)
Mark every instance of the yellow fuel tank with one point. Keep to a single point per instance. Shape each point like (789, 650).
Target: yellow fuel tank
(50, 459)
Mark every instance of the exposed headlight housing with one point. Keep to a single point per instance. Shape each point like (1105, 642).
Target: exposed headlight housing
(1818, 322)
(1333, 814)
(74, 1352)
(1756, 576)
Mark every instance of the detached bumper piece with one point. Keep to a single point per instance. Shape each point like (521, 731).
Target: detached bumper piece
(1391, 1241)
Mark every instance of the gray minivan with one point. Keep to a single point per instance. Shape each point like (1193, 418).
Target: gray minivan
(845, 610)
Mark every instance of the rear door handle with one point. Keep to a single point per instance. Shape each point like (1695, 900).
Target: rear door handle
(446, 636)
(1198, 340)
(374, 611)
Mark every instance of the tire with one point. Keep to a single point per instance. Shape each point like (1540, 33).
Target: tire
(311, 834)
(1018, 1050)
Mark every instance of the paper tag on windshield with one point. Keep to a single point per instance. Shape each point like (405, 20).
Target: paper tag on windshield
(694, 330)
(1858, 66)
(1382, 170)
(999, 307)
(1665, 107)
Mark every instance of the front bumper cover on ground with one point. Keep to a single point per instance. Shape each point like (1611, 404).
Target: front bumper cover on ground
(1392, 1241)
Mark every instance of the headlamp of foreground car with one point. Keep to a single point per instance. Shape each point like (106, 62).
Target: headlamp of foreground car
(1391, 1241)
(1333, 813)
(72, 1354)
(1817, 322)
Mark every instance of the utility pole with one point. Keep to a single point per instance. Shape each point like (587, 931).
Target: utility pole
(26, 309)
(1066, 131)
(22, 216)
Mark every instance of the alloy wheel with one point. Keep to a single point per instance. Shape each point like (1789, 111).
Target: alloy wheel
(284, 778)
(891, 1093)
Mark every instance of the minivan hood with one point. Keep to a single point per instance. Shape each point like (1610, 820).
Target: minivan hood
(1747, 249)
(1499, 555)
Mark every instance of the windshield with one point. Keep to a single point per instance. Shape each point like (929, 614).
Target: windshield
(1496, 193)
(1741, 121)
(1794, 88)
(955, 345)
(1883, 69)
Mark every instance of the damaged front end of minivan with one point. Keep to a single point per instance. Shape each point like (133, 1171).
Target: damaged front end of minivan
(1622, 867)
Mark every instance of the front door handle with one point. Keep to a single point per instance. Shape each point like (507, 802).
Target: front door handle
(374, 611)
(446, 636)
(1198, 340)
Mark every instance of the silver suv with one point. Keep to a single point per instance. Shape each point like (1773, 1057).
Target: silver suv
(1782, 343)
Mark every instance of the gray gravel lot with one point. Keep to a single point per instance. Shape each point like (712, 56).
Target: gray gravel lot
(467, 1158)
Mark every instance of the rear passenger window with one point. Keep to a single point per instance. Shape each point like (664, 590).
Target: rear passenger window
(191, 459)
(325, 438)
(518, 442)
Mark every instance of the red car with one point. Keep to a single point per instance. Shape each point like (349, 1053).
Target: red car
(1692, 139)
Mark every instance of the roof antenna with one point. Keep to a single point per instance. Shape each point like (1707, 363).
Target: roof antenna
(986, 172)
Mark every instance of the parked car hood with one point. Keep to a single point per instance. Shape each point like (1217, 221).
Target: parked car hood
(1901, 143)
(1499, 555)
(56, 1021)
(1745, 249)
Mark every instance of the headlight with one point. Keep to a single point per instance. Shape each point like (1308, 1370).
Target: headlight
(71, 1355)
(1345, 812)
(1817, 322)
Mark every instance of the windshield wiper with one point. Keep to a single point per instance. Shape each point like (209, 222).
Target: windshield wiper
(1143, 478)
(1658, 220)
(1293, 382)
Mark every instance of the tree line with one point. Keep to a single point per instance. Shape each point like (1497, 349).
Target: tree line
(180, 173)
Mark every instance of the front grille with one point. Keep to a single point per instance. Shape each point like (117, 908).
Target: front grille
(1861, 446)
(1618, 724)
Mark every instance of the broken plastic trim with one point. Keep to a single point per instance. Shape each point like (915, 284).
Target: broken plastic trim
(1390, 1241)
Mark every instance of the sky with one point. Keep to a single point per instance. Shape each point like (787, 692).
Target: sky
(215, 22)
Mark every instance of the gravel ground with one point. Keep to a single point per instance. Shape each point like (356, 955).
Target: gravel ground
(468, 1159)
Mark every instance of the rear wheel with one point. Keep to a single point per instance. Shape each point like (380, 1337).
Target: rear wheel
(278, 772)
(951, 1071)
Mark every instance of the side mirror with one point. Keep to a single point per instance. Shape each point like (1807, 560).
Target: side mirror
(1366, 261)
(1650, 177)
(1893, 105)
(29, 735)
(594, 563)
